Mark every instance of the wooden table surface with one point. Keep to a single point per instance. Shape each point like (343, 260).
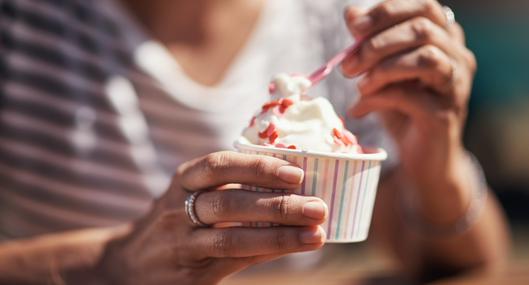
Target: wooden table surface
(354, 266)
(517, 274)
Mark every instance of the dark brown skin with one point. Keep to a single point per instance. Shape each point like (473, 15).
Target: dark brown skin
(418, 74)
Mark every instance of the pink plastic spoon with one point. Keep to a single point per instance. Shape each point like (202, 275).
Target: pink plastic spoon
(322, 72)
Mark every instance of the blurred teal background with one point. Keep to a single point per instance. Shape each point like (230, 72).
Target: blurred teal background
(498, 126)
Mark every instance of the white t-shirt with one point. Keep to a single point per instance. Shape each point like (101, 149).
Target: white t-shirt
(95, 116)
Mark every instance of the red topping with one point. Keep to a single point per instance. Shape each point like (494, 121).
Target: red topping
(268, 132)
(280, 145)
(345, 137)
(337, 133)
(273, 137)
(252, 121)
(349, 138)
(270, 105)
(271, 129)
(285, 103)
(347, 141)
(337, 141)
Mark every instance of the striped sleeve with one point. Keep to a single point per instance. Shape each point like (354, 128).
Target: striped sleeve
(65, 161)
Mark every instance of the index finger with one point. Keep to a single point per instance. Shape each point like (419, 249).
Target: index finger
(390, 13)
(232, 167)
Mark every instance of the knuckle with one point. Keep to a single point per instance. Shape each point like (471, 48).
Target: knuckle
(422, 29)
(382, 13)
(223, 243)
(280, 206)
(221, 205)
(472, 61)
(429, 6)
(169, 221)
(448, 74)
(280, 240)
(180, 170)
(217, 161)
(430, 57)
(261, 166)
(374, 45)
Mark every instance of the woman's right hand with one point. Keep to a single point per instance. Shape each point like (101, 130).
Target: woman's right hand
(165, 248)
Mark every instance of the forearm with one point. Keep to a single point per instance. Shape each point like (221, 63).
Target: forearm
(64, 258)
(483, 245)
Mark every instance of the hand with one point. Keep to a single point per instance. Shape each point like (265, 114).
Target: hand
(165, 248)
(417, 76)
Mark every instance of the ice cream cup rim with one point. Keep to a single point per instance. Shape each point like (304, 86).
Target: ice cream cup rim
(379, 154)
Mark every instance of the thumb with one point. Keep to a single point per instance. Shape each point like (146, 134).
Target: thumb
(351, 13)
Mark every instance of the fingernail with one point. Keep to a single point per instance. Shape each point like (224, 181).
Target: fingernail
(290, 174)
(363, 23)
(314, 210)
(311, 236)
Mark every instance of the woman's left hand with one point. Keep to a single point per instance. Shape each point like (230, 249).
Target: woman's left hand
(417, 75)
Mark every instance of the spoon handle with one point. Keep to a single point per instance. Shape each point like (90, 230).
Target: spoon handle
(326, 69)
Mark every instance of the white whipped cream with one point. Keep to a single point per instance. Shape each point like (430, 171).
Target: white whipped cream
(287, 85)
(293, 120)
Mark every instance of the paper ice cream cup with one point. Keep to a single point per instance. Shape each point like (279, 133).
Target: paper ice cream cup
(346, 182)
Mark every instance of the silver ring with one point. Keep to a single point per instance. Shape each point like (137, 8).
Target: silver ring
(450, 15)
(189, 206)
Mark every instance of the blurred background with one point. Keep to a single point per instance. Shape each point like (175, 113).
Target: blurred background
(498, 126)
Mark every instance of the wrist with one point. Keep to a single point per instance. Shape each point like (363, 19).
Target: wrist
(82, 266)
(437, 221)
(110, 267)
(444, 197)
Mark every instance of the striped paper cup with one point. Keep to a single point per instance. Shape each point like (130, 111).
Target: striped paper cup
(346, 182)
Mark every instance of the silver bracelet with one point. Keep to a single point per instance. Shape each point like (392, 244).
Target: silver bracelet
(477, 203)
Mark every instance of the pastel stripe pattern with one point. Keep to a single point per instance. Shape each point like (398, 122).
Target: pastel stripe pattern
(348, 187)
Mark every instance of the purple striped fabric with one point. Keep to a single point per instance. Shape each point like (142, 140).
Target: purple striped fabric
(303, 184)
(333, 195)
(88, 136)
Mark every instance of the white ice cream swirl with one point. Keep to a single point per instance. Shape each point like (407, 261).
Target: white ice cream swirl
(296, 121)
